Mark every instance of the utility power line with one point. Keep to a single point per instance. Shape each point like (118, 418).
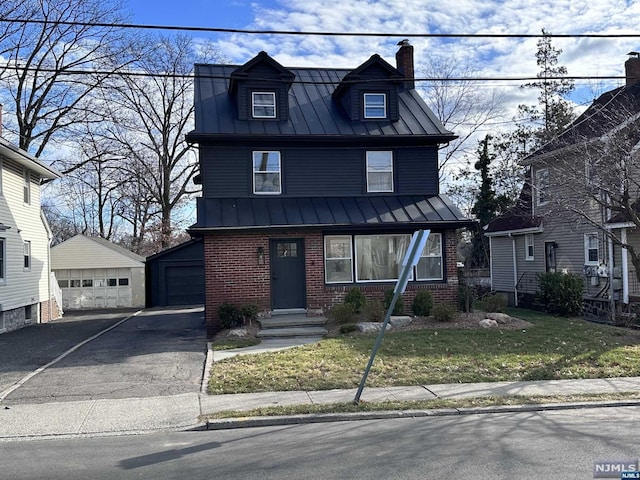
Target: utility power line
(321, 33)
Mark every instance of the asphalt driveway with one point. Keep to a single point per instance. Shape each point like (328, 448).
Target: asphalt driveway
(155, 353)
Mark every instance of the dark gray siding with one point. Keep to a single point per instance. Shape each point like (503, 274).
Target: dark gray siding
(309, 172)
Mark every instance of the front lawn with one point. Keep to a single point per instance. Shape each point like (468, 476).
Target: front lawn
(553, 348)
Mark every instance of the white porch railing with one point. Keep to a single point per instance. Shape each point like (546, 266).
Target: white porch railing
(56, 291)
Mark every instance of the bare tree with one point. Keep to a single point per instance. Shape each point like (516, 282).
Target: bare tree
(461, 105)
(56, 56)
(151, 116)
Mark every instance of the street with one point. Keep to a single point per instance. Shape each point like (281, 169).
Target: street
(550, 445)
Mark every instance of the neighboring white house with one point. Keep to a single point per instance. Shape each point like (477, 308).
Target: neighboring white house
(95, 273)
(25, 280)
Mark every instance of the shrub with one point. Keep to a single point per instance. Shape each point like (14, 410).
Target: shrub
(230, 316)
(356, 299)
(443, 312)
(492, 303)
(249, 312)
(398, 309)
(373, 311)
(348, 328)
(422, 303)
(341, 313)
(560, 293)
(466, 298)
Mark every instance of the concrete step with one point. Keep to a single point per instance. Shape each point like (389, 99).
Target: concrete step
(281, 321)
(291, 332)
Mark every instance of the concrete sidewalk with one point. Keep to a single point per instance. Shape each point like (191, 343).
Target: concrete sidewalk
(185, 411)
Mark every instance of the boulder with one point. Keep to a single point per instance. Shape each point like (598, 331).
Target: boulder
(400, 321)
(502, 318)
(370, 327)
(488, 323)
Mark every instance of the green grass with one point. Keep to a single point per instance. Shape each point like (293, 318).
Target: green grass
(232, 343)
(553, 348)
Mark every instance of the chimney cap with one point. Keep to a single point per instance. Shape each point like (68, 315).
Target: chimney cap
(404, 42)
(634, 54)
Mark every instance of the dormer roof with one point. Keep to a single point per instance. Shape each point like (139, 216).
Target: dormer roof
(369, 71)
(254, 69)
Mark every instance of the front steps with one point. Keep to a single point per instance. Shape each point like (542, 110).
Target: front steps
(292, 325)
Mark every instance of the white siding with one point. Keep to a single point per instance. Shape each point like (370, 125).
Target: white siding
(22, 287)
(82, 252)
(502, 279)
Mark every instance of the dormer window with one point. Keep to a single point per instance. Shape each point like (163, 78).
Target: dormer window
(263, 104)
(375, 105)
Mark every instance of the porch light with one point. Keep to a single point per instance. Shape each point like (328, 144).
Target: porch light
(260, 253)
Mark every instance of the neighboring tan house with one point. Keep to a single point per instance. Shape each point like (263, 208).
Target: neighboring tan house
(570, 217)
(314, 180)
(95, 273)
(25, 279)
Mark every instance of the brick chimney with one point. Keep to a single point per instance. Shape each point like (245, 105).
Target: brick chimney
(404, 62)
(632, 68)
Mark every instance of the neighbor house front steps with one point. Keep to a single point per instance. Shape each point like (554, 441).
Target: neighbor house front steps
(292, 324)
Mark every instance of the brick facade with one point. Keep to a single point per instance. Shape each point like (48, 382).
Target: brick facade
(234, 273)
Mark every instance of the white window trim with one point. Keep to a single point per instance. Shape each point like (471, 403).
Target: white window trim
(384, 105)
(441, 257)
(254, 172)
(26, 254)
(26, 187)
(538, 189)
(254, 105)
(586, 249)
(390, 170)
(349, 238)
(529, 242)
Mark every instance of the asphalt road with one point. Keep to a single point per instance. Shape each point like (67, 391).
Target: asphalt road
(534, 445)
(157, 352)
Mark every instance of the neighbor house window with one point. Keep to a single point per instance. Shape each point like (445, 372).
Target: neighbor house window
(591, 256)
(338, 259)
(3, 266)
(542, 186)
(0, 176)
(27, 187)
(266, 173)
(528, 245)
(263, 104)
(380, 171)
(430, 264)
(375, 105)
(27, 254)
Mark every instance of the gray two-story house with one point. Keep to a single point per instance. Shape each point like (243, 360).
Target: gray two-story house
(313, 180)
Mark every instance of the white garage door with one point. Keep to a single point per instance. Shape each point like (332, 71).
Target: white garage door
(95, 288)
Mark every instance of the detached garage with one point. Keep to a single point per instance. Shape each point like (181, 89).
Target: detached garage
(176, 276)
(95, 273)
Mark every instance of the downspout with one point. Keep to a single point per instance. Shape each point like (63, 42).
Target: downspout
(625, 267)
(612, 301)
(515, 271)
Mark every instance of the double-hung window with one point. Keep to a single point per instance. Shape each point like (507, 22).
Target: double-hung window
(26, 189)
(591, 256)
(542, 186)
(338, 259)
(27, 254)
(375, 105)
(430, 264)
(528, 245)
(379, 171)
(263, 104)
(267, 173)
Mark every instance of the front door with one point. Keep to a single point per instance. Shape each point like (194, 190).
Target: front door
(287, 273)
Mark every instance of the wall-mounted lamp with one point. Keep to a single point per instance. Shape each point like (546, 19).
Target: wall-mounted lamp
(260, 253)
(3, 227)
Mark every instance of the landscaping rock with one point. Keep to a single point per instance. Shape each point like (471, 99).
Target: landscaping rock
(502, 318)
(370, 327)
(488, 323)
(400, 321)
(238, 332)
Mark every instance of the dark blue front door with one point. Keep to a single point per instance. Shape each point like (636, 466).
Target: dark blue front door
(287, 273)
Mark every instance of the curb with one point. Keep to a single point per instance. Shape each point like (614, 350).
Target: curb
(249, 422)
